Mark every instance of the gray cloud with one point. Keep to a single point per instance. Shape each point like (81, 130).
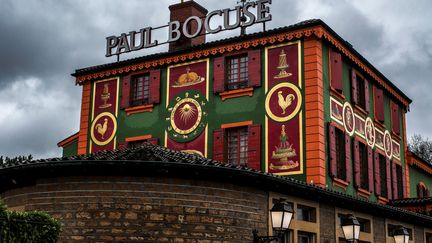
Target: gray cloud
(44, 41)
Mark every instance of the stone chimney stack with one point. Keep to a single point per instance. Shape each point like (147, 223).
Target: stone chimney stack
(181, 12)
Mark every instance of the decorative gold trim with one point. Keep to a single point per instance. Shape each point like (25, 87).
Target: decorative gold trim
(94, 139)
(297, 108)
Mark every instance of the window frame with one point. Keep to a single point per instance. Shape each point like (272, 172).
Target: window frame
(364, 236)
(341, 172)
(145, 100)
(383, 175)
(242, 73)
(364, 166)
(241, 153)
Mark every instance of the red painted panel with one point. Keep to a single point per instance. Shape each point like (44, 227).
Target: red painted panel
(395, 117)
(125, 98)
(218, 144)
(370, 168)
(348, 158)
(388, 173)
(357, 172)
(254, 146)
(155, 86)
(354, 93)
(394, 181)
(367, 100)
(332, 149)
(154, 141)
(336, 70)
(377, 174)
(195, 146)
(186, 77)
(379, 104)
(254, 68)
(219, 75)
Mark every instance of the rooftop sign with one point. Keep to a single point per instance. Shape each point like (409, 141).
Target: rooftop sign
(246, 15)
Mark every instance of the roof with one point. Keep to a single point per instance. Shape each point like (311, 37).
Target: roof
(152, 160)
(65, 142)
(300, 25)
(411, 201)
(417, 161)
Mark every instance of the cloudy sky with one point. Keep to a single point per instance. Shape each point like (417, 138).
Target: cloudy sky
(42, 42)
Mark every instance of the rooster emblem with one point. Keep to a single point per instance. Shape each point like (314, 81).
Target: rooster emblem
(285, 102)
(101, 129)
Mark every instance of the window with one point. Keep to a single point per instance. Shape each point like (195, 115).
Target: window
(392, 227)
(237, 146)
(422, 190)
(340, 154)
(140, 89)
(359, 90)
(399, 182)
(306, 237)
(237, 72)
(305, 213)
(428, 237)
(364, 167)
(383, 175)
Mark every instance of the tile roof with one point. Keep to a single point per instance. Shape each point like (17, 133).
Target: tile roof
(155, 160)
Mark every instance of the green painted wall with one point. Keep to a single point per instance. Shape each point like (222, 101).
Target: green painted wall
(71, 149)
(417, 175)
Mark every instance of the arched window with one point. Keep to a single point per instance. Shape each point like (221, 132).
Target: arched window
(422, 190)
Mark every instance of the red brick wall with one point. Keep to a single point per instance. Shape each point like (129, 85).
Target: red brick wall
(146, 209)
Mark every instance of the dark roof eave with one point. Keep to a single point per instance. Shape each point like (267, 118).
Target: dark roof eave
(28, 173)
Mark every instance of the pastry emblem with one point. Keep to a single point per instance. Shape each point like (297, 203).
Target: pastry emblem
(187, 79)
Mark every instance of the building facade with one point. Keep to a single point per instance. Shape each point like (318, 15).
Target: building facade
(298, 102)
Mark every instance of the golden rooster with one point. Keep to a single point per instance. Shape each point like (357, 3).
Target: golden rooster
(101, 129)
(285, 102)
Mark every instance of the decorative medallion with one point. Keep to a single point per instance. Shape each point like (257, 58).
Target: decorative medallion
(370, 132)
(188, 116)
(348, 118)
(103, 128)
(283, 102)
(388, 148)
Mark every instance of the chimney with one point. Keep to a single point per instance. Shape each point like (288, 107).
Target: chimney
(181, 12)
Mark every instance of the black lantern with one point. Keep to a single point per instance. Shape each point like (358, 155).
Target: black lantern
(281, 216)
(401, 235)
(350, 227)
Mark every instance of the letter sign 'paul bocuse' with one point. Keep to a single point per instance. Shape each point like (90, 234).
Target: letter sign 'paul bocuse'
(254, 12)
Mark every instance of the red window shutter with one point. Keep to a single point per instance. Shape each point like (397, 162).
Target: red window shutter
(377, 174)
(154, 86)
(218, 144)
(404, 192)
(125, 98)
(379, 104)
(370, 169)
(394, 181)
(354, 93)
(153, 141)
(395, 118)
(427, 192)
(348, 158)
(254, 68)
(219, 75)
(388, 174)
(336, 70)
(367, 100)
(357, 172)
(332, 149)
(254, 148)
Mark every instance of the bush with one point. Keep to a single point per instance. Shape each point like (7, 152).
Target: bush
(35, 227)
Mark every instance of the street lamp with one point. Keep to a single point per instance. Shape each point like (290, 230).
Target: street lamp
(350, 227)
(281, 216)
(401, 235)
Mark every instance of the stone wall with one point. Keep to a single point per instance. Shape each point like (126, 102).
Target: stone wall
(134, 209)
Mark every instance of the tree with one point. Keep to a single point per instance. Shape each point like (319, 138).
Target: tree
(421, 146)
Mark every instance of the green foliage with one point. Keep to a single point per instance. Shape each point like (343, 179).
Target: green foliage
(36, 227)
(421, 146)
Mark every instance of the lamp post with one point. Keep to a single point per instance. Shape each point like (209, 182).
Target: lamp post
(281, 216)
(401, 235)
(350, 227)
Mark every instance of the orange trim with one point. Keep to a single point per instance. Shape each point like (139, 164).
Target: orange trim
(316, 31)
(414, 161)
(382, 200)
(236, 93)
(314, 108)
(236, 124)
(139, 109)
(69, 140)
(363, 193)
(137, 138)
(84, 122)
(340, 183)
